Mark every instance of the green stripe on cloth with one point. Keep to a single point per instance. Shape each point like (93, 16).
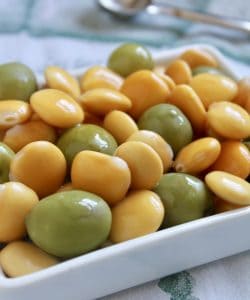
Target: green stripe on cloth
(86, 20)
(179, 286)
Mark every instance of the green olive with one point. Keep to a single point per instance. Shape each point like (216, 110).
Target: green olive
(168, 121)
(206, 69)
(86, 137)
(17, 81)
(129, 58)
(184, 197)
(68, 224)
(6, 156)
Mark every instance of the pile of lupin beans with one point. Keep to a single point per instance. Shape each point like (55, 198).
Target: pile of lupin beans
(121, 152)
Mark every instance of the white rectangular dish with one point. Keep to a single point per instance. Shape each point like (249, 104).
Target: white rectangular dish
(130, 263)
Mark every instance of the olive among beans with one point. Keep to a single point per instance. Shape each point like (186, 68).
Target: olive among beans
(120, 152)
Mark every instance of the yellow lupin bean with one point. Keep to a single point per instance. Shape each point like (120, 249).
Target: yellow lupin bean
(196, 58)
(145, 89)
(140, 213)
(16, 201)
(234, 158)
(13, 112)
(21, 258)
(214, 88)
(100, 77)
(243, 96)
(229, 187)
(167, 79)
(57, 108)
(57, 78)
(41, 166)
(179, 71)
(229, 120)
(144, 163)
(101, 174)
(197, 156)
(154, 140)
(185, 98)
(23, 134)
(102, 100)
(120, 125)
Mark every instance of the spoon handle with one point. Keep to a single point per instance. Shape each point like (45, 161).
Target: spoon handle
(196, 16)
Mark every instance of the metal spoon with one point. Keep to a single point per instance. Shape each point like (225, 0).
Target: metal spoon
(129, 8)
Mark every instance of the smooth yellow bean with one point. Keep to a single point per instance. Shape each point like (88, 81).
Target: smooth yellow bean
(120, 125)
(243, 96)
(16, 201)
(100, 77)
(13, 112)
(196, 58)
(57, 108)
(101, 174)
(144, 163)
(41, 166)
(59, 79)
(145, 89)
(197, 156)
(154, 140)
(185, 98)
(229, 187)
(102, 100)
(140, 213)
(179, 71)
(20, 258)
(234, 158)
(23, 134)
(167, 79)
(214, 88)
(229, 120)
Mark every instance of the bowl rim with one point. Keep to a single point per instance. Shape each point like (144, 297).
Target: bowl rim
(135, 244)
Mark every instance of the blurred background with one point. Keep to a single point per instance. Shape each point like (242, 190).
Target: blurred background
(76, 33)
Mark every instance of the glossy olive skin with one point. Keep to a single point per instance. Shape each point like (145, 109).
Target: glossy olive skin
(17, 81)
(206, 69)
(168, 121)
(184, 197)
(129, 58)
(68, 224)
(6, 156)
(86, 137)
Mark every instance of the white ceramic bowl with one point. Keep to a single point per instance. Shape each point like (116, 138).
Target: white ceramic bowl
(130, 263)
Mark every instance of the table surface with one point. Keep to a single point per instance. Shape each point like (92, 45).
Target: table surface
(75, 34)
